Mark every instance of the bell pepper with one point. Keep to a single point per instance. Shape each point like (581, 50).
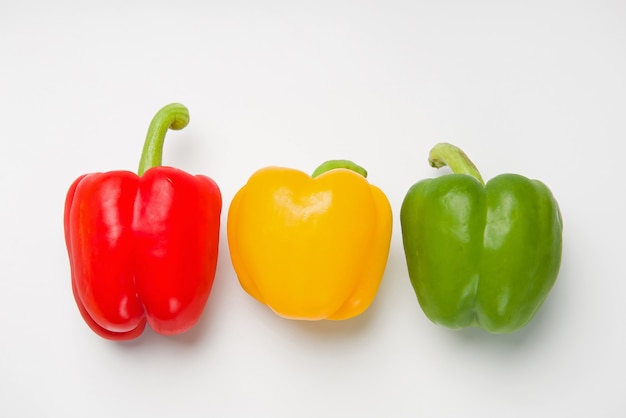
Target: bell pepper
(310, 247)
(143, 247)
(483, 255)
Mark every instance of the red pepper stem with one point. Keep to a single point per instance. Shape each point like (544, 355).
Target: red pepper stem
(444, 154)
(172, 116)
(333, 164)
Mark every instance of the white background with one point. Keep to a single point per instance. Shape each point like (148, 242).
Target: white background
(531, 87)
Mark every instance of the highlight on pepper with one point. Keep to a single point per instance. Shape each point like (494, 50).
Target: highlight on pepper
(310, 247)
(482, 255)
(143, 248)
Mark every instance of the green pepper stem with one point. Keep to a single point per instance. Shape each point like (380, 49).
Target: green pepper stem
(333, 164)
(172, 116)
(444, 154)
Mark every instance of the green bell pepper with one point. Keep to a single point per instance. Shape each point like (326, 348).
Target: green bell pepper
(480, 255)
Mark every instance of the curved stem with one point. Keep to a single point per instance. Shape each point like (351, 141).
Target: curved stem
(444, 154)
(172, 116)
(333, 164)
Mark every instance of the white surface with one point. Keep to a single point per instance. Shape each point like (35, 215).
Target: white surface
(532, 87)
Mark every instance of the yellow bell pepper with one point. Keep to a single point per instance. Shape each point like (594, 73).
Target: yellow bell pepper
(310, 247)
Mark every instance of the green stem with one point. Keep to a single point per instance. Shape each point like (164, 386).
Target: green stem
(172, 116)
(444, 154)
(333, 164)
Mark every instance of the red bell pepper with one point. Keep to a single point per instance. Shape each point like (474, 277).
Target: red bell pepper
(143, 247)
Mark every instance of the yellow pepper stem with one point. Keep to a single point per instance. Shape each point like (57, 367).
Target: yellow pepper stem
(333, 164)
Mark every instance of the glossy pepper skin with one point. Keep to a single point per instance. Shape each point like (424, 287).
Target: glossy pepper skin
(143, 248)
(480, 255)
(310, 247)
